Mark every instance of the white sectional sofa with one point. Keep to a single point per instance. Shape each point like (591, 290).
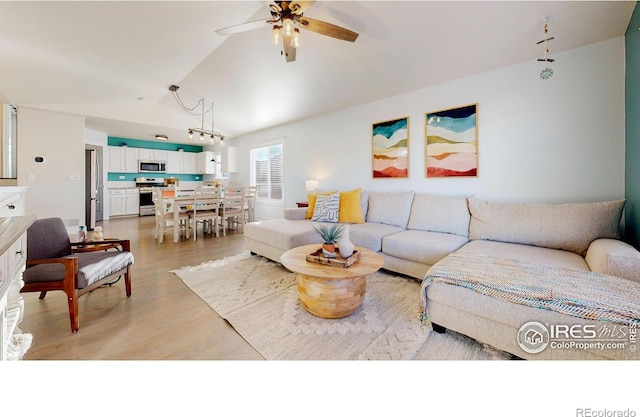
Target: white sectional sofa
(415, 231)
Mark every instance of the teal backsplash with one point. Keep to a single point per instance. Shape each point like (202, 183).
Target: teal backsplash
(131, 176)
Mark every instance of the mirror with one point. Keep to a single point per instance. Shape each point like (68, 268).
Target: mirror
(8, 123)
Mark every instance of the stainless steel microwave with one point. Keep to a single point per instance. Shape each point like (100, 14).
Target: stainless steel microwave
(152, 166)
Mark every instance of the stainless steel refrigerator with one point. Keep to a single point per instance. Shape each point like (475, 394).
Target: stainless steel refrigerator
(93, 187)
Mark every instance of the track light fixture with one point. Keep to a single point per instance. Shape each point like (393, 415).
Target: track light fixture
(212, 134)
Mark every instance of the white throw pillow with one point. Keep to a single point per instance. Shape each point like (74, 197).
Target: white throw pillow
(326, 208)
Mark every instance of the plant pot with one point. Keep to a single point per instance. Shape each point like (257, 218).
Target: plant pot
(329, 250)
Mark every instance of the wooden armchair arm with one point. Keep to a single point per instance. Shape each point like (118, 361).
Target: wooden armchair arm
(70, 263)
(100, 245)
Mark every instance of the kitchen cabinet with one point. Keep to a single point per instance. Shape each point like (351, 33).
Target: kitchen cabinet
(123, 159)
(132, 202)
(205, 163)
(174, 162)
(124, 202)
(181, 162)
(228, 159)
(153, 154)
(190, 162)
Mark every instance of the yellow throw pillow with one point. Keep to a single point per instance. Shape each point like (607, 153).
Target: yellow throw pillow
(311, 198)
(350, 210)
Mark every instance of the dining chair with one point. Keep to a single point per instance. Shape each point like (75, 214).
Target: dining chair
(206, 206)
(164, 201)
(250, 194)
(232, 212)
(180, 205)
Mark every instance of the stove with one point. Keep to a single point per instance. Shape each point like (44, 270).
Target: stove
(145, 186)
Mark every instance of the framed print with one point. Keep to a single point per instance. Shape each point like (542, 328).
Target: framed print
(390, 146)
(451, 145)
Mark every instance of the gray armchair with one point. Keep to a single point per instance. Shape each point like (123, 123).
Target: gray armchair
(54, 263)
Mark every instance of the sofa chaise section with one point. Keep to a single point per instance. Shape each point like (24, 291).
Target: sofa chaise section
(573, 237)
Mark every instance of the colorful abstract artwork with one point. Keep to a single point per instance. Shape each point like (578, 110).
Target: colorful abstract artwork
(390, 144)
(452, 142)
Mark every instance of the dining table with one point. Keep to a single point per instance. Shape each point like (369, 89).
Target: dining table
(179, 201)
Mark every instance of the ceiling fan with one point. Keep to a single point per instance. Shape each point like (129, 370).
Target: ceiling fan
(286, 19)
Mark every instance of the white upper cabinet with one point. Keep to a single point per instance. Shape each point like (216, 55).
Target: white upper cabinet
(175, 163)
(123, 159)
(153, 154)
(228, 159)
(205, 163)
(189, 160)
(181, 162)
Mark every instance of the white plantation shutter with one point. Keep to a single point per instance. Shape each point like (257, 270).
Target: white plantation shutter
(267, 171)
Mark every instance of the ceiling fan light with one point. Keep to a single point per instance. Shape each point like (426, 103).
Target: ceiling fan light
(287, 26)
(276, 36)
(295, 38)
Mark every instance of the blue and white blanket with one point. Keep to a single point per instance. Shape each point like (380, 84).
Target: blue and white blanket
(583, 294)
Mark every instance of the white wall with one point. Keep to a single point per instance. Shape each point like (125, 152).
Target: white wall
(55, 186)
(556, 140)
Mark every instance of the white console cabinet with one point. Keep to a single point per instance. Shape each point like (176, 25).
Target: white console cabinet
(13, 257)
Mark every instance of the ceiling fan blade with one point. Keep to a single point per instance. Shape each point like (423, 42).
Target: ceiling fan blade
(299, 7)
(326, 29)
(244, 27)
(288, 50)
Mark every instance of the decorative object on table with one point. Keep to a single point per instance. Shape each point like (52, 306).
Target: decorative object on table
(97, 233)
(330, 235)
(338, 261)
(546, 72)
(452, 142)
(390, 149)
(345, 246)
(82, 234)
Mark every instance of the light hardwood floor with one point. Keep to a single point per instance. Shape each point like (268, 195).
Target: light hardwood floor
(163, 318)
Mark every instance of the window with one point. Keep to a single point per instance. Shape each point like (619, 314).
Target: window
(266, 172)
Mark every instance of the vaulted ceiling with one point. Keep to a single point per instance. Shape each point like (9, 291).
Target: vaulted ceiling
(114, 61)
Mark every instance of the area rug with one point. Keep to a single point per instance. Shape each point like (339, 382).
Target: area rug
(259, 299)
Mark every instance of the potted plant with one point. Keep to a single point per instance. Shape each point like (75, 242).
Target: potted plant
(330, 235)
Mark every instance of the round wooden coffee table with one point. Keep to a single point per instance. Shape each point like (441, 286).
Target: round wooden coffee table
(331, 292)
